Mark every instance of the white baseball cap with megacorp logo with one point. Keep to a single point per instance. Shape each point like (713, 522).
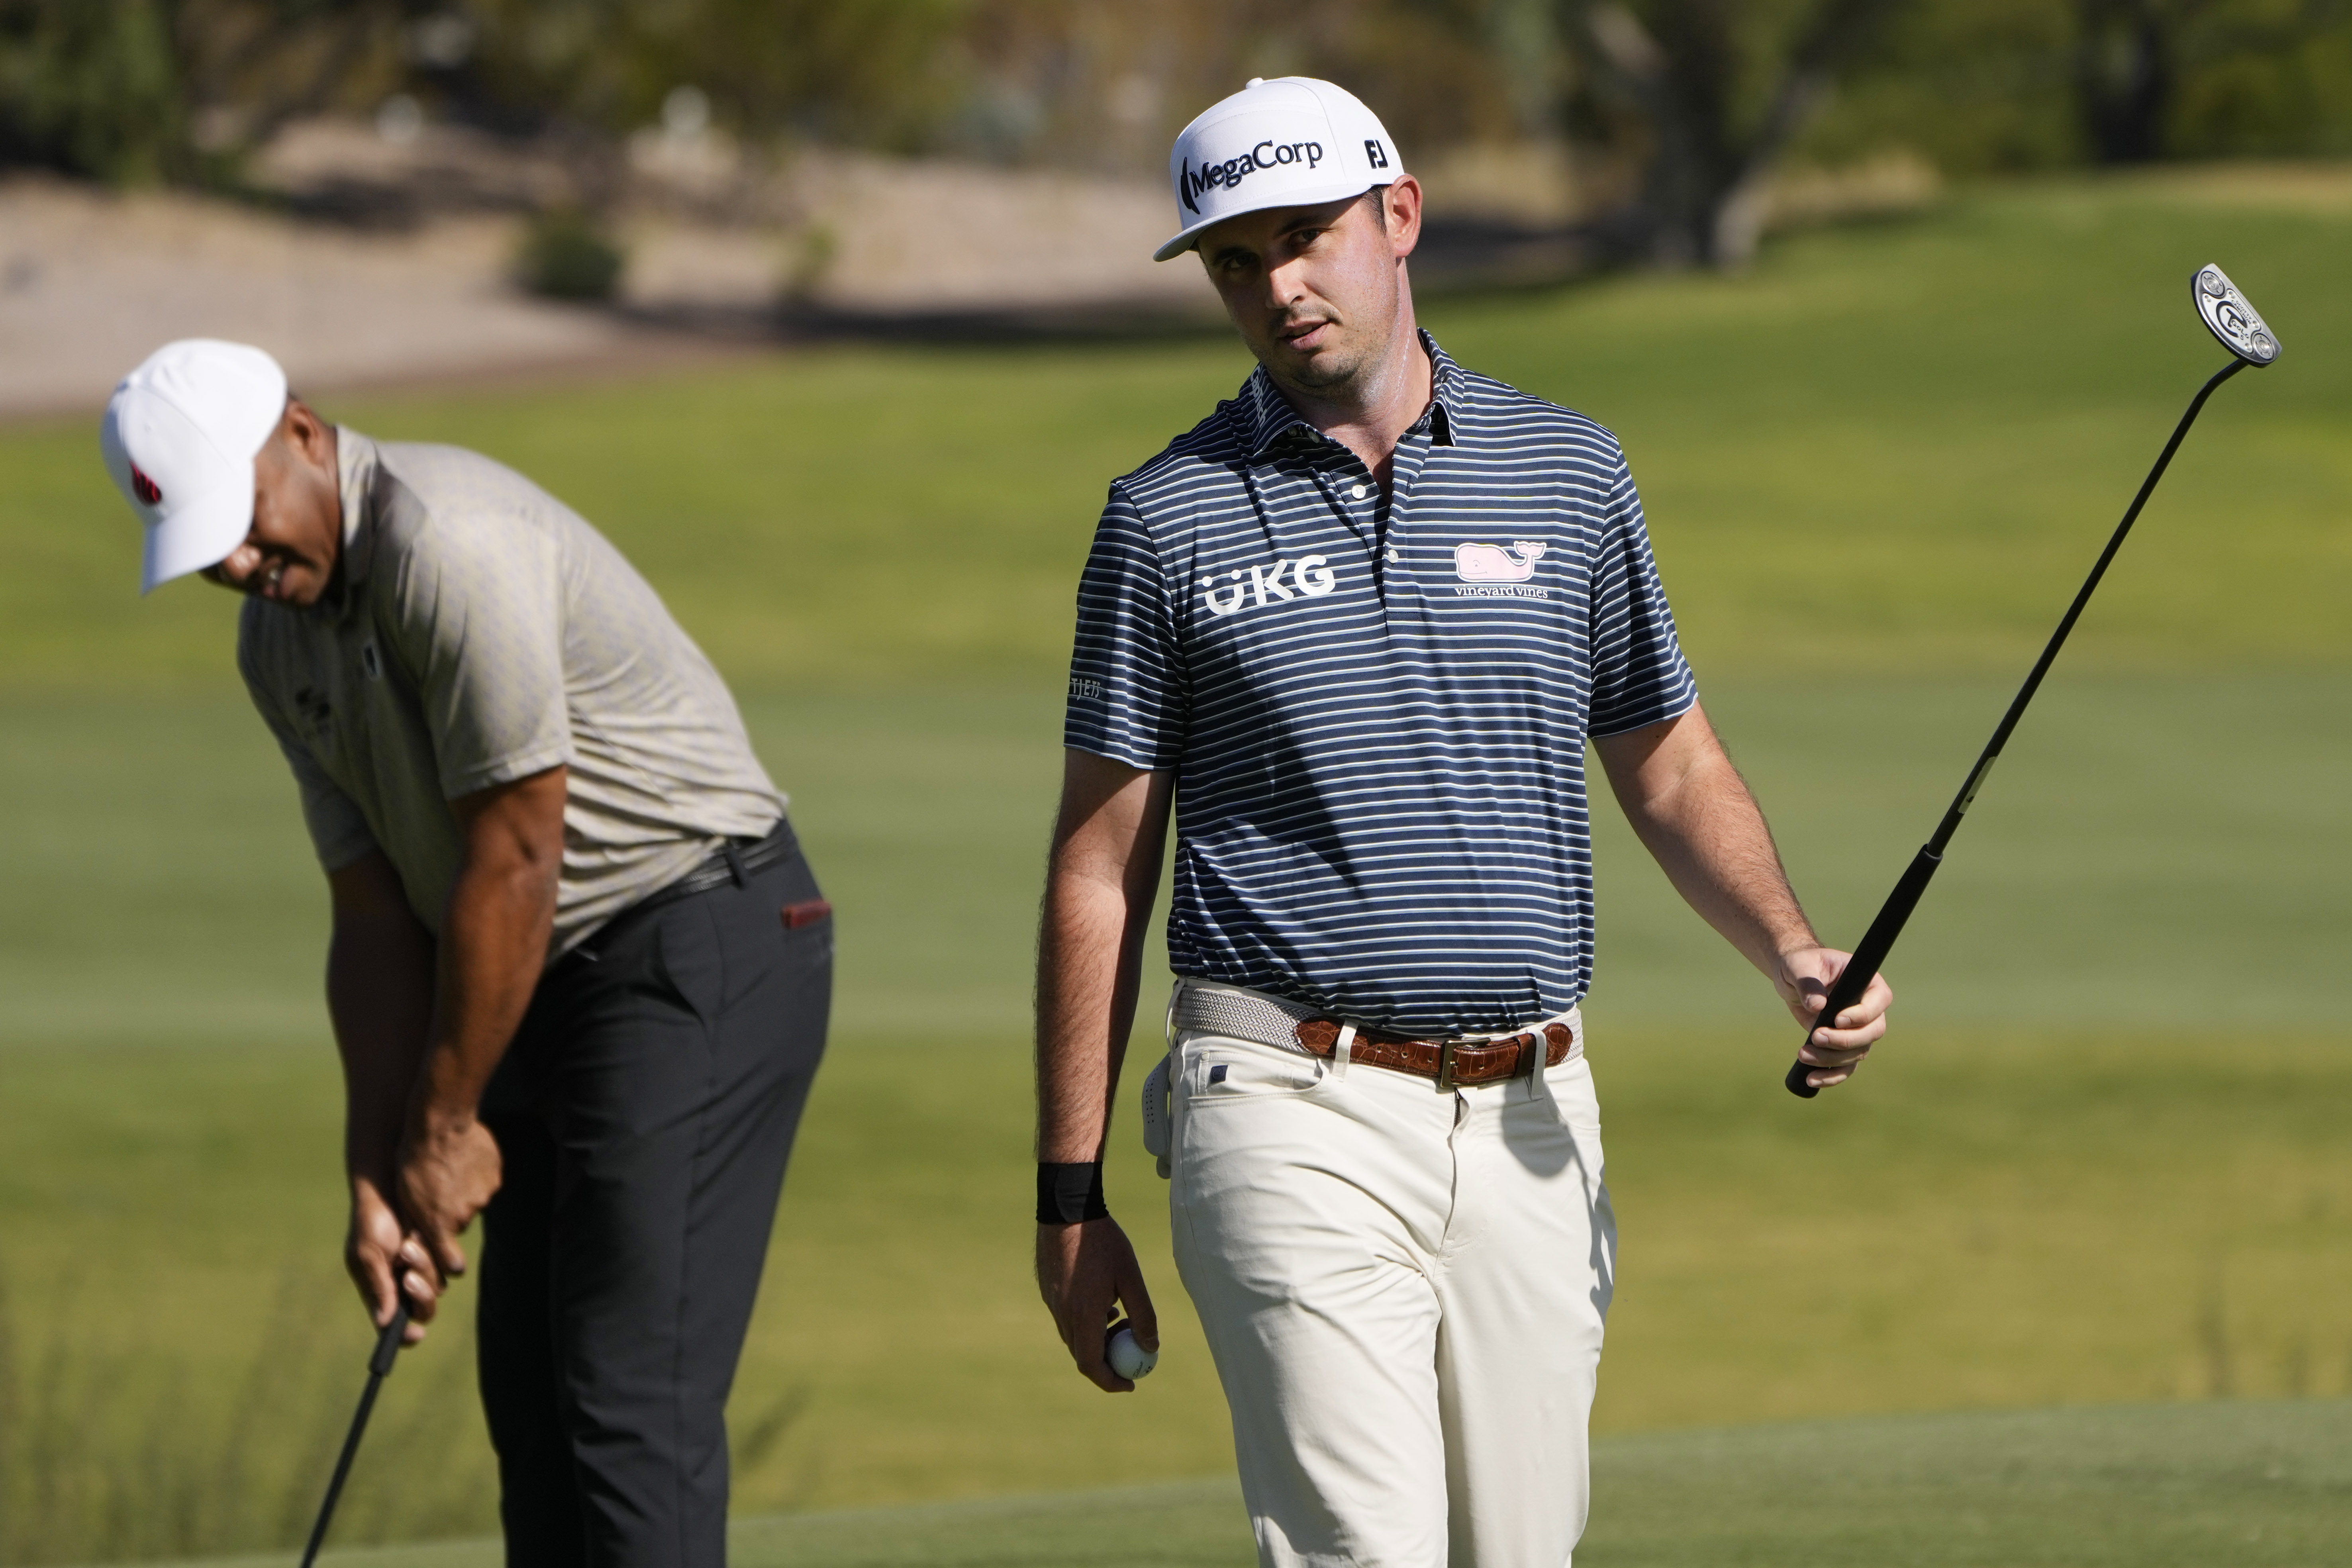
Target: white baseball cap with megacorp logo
(1291, 142)
(179, 438)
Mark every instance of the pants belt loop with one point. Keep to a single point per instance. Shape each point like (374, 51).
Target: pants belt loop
(1343, 1051)
(735, 863)
(1539, 1083)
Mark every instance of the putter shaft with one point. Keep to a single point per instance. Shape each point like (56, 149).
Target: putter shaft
(1896, 910)
(387, 1349)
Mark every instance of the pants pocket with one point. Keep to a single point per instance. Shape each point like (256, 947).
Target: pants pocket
(1218, 1071)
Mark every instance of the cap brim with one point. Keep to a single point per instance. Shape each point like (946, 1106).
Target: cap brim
(1314, 197)
(199, 533)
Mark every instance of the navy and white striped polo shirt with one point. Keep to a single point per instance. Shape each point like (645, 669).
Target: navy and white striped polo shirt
(1377, 709)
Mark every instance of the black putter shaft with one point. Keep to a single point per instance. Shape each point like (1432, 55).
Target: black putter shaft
(387, 1347)
(1896, 910)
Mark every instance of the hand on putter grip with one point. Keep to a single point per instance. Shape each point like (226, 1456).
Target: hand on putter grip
(387, 1262)
(1803, 977)
(447, 1174)
(1081, 1270)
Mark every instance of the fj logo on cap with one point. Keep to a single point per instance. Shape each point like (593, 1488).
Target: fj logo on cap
(145, 489)
(1374, 155)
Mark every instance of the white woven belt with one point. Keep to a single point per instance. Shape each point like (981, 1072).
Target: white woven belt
(1241, 1015)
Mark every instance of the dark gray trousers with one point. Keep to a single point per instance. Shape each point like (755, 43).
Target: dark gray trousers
(645, 1113)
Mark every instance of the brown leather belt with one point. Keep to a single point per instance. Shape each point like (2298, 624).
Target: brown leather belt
(1450, 1062)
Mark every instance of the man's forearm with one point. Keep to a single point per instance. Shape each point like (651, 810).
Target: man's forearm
(380, 999)
(494, 939)
(1695, 814)
(1087, 977)
(1101, 882)
(493, 946)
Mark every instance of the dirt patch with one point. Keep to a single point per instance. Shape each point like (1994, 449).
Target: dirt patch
(392, 263)
(90, 283)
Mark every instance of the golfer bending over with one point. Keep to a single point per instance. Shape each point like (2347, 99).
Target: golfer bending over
(1358, 626)
(580, 972)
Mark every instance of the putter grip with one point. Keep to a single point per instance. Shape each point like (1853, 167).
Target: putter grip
(387, 1342)
(1868, 958)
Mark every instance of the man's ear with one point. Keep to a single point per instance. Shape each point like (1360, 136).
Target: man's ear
(307, 433)
(1401, 205)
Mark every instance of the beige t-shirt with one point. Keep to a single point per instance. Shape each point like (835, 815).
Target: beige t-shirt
(480, 632)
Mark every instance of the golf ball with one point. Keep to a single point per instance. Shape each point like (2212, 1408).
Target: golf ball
(1126, 1358)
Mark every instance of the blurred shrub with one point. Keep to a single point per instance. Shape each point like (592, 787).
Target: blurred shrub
(1994, 86)
(130, 89)
(566, 255)
(89, 87)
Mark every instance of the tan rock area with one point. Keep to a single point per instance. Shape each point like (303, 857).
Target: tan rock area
(91, 282)
(393, 262)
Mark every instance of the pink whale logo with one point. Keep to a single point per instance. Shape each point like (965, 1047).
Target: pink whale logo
(1494, 563)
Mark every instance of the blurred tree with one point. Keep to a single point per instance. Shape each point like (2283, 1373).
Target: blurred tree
(1698, 100)
(2126, 69)
(88, 89)
(860, 71)
(127, 91)
(1991, 86)
(1106, 83)
(1721, 87)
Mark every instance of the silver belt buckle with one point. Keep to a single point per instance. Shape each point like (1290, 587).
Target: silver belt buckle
(1445, 1065)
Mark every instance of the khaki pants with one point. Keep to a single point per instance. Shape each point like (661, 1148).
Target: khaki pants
(1404, 1292)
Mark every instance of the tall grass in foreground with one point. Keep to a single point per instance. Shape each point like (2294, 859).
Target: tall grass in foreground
(111, 1453)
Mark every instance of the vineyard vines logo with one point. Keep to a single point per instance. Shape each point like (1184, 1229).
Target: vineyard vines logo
(1268, 154)
(1498, 570)
(1310, 578)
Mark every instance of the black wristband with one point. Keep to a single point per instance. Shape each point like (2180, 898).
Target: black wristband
(1067, 1195)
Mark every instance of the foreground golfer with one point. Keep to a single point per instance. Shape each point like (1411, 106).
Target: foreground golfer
(1358, 626)
(580, 972)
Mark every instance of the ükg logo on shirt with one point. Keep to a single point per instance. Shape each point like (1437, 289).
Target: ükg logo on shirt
(1310, 578)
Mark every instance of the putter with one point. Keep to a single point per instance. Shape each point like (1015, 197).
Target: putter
(2250, 343)
(387, 1347)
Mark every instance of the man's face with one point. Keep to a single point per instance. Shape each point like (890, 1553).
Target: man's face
(288, 557)
(1315, 291)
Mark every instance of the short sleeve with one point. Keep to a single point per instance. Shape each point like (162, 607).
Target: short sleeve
(1639, 674)
(1126, 688)
(476, 620)
(339, 831)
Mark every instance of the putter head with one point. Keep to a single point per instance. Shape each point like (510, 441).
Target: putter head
(2240, 329)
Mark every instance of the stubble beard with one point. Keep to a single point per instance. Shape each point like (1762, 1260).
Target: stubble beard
(1343, 371)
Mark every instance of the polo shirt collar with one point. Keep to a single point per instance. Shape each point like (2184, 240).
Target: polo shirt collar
(356, 458)
(1267, 415)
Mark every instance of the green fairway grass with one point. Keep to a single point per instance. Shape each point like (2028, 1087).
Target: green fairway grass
(2153, 849)
(2003, 1220)
(1895, 448)
(2102, 1161)
(2262, 1485)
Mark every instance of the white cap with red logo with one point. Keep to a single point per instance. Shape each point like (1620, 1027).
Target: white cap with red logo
(1293, 142)
(180, 438)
